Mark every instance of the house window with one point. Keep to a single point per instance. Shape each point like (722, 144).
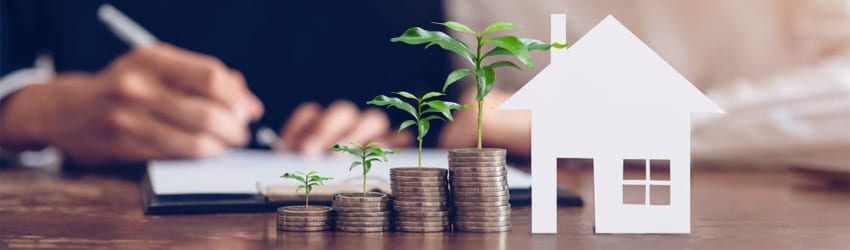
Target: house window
(646, 181)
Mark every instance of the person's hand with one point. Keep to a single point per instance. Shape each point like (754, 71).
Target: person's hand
(151, 103)
(312, 130)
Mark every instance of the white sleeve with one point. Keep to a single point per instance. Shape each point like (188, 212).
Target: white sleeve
(22, 78)
(798, 118)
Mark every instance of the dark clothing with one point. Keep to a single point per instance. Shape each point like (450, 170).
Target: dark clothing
(289, 51)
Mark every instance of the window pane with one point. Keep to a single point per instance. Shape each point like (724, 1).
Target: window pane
(659, 170)
(634, 194)
(634, 169)
(659, 195)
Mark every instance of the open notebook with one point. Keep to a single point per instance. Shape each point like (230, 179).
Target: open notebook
(249, 180)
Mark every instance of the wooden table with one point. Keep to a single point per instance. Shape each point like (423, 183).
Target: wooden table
(731, 210)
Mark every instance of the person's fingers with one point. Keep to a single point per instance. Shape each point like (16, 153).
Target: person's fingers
(194, 73)
(298, 124)
(190, 113)
(336, 121)
(398, 140)
(149, 139)
(253, 104)
(373, 124)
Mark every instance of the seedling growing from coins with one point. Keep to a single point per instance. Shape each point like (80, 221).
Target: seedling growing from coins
(308, 181)
(485, 47)
(366, 156)
(424, 109)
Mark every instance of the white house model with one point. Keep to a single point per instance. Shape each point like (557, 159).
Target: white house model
(610, 98)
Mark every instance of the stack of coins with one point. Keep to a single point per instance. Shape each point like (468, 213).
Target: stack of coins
(362, 212)
(479, 187)
(304, 218)
(420, 199)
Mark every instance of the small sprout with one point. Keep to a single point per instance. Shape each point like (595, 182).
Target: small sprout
(424, 110)
(483, 72)
(308, 181)
(366, 155)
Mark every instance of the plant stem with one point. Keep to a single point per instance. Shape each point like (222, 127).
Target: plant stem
(480, 112)
(364, 183)
(307, 200)
(420, 153)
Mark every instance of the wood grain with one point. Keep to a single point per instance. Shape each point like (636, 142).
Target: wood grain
(731, 210)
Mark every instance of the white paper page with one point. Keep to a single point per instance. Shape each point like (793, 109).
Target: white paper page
(239, 171)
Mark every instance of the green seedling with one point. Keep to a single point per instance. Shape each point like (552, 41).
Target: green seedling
(424, 109)
(366, 155)
(486, 46)
(308, 181)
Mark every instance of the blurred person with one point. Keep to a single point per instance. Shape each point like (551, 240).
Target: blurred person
(780, 70)
(304, 67)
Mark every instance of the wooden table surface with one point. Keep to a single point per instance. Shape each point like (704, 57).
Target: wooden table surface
(731, 210)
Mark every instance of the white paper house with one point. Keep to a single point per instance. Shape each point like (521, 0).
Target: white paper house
(609, 97)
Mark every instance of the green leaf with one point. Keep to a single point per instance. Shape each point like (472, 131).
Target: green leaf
(356, 144)
(503, 64)
(423, 125)
(455, 76)
(342, 148)
(457, 27)
(407, 95)
(530, 45)
(431, 95)
(434, 117)
(309, 189)
(293, 176)
(486, 78)
(372, 144)
(383, 100)
(444, 108)
(367, 166)
(416, 35)
(354, 165)
(405, 124)
(299, 188)
(515, 47)
(498, 26)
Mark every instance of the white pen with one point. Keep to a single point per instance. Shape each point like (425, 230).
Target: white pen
(137, 37)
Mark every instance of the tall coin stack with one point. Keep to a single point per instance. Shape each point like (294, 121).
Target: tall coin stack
(362, 212)
(304, 218)
(479, 187)
(420, 197)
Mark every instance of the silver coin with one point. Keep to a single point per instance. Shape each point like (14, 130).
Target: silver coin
(464, 189)
(483, 229)
(362, 229)
(304, 218)
(420, 194)
(385, 213)
(502, 218)
(304, 229)
(363, 219)
(307, 210)
(360, 203)
(463, 174)
(490, 170)
(418, 178)
(419, 209)
(458, 203)
(460, 213)
(479, 184)
(361, 197)
(479, 178)
(421, 214)
(422, 223)
(422, 218)
(419, 204)
(477, 152)
(418, 172)
(304, 223)
(458, 194)
(418, 189)
(362, 223)
(396, 199)
(413, 229)
(483, 224)
(457, 159)
(453, 165)
(343, 210)
(473, 210)
(482, 199)
(418, 184)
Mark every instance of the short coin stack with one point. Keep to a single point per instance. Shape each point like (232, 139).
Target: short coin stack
(304, 218)
(479, 187)
(362, 212)
(420, 199)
